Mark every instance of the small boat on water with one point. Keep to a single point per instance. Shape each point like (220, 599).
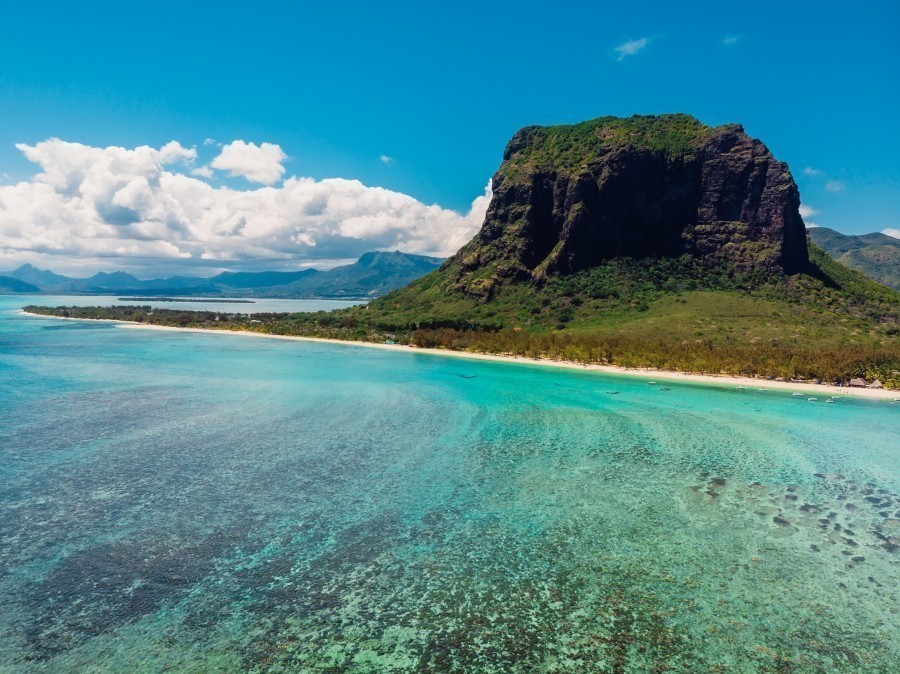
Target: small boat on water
(741, 388)
(809, 400)
(651, 383)
(829, 401)
(797, 395)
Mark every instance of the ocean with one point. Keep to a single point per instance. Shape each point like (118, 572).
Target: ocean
(178, 501)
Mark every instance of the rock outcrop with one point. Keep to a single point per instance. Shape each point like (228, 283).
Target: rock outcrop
(566, 198)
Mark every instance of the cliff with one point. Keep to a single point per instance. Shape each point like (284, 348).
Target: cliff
(566, 198)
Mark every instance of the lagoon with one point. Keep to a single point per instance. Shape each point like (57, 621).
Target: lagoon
(214, 502)
(248, 305)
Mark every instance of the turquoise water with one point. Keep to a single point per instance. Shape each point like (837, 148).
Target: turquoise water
(251, 306)
(193, 502)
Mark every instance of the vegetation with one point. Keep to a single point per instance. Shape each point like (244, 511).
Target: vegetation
(876, 255)
(675, 314)
(569, 146)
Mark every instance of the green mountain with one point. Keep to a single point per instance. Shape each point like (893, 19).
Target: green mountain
(373, 274)
(9, 284)
(876, 255)
(653, 241)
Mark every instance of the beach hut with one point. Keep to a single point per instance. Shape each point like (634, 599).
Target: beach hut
(876, 384)
(857, 382)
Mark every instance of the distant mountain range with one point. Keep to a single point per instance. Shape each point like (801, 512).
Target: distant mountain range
(875, 255)
(372, 275)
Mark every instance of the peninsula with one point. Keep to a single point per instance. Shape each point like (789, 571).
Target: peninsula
(642, 242)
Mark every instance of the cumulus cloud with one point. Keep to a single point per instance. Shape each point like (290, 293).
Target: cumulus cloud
(139, 209)
(729, 40)
(386, 160)
(807, 211)
(257, 163)
(810, 171)
(631, 47)
(203, 172)
(892, 231)
(835, 186)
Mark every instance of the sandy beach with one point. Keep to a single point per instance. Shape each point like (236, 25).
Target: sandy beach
(750, 383)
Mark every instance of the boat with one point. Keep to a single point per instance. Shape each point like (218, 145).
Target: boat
(797, 395)
(741, 388)
(809, 400)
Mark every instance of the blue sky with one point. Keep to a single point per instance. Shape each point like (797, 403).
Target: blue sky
(342, 87)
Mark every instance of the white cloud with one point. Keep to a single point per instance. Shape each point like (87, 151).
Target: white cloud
(631, 47)
(209, 141)
(811, 225)
(730, 40)
(807, 211)
(835, 186)
(892, 231)
(386, 160)
(203, 172)
(257, 163)
(810, 171)
(137, 209)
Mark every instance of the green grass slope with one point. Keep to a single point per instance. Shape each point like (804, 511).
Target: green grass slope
(829, 323)
(630, 290)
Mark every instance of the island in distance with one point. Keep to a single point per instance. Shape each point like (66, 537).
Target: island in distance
(372, 275)
(648, 241)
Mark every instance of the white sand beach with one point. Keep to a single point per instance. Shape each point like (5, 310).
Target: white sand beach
(750, 383)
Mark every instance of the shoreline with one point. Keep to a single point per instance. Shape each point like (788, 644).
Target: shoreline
(641, 373)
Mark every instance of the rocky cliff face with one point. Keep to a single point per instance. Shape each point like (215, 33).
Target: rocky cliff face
(567, 198)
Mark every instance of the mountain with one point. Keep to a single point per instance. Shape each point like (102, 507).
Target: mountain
(259, 280)
(579, 205)
(37, 277)
(876, 255)
(569, 197)
(372, 275)
(9, 284)
(651, 241)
